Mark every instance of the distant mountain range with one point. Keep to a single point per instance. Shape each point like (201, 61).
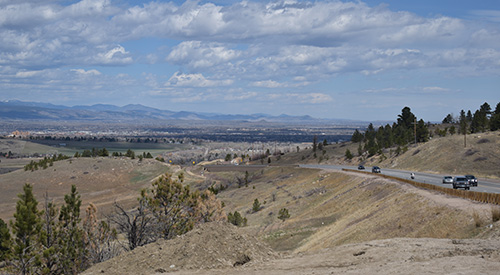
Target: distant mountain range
(20, 110)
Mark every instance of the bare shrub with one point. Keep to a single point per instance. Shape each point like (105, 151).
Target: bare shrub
(495, 214)
(477, 219)
(480, 159)
(416, 152)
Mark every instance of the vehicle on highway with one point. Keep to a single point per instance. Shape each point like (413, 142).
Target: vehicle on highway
(447, 179)
(375, 169)
(461, 182)
(412, 176)
(472, 180)
(361, 167)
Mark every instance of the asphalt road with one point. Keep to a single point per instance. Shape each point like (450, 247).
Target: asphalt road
(483, 185)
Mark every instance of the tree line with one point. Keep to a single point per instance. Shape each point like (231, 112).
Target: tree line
(483, 119)
(44, 163)
(406, 130)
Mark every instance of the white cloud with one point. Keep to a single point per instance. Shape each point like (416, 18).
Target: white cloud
(89, 72)
(196, 54)
(268, 84)
(23, 74)
(305, 98)
(195, 80)
(283, 45)
(116, 55)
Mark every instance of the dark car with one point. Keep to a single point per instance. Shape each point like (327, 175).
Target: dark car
(361, 167)
(472, 180)
(376, 169)
(461, 182)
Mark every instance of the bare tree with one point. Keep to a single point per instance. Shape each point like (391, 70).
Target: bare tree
(98, 237)
(135, 224)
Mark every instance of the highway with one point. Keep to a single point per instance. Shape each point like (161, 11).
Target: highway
(488, 186)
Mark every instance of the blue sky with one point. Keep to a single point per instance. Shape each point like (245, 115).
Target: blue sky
(363, 60)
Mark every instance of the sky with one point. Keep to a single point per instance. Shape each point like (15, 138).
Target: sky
(361, 60)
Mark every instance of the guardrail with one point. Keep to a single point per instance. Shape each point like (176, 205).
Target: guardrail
(483, 197)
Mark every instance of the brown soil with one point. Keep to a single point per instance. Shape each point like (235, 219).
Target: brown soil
(208, 246)
(220, 248)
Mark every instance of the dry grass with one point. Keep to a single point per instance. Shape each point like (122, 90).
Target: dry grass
(98, 180)
(445, 155)
(330, 209)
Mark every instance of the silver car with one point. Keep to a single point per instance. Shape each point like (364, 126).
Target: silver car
(447, 179)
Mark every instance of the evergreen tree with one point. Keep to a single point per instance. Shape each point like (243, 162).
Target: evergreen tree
(5, 241)
(468, 117)
(406, 118)
(283, 214)
(348, 154)
(357, 136)
(256, 205)
(448, 119)
(463, 123)
(26, 228)
(49, 238)
(495, 119)
(173, 205)
(71, 235)
(422, 131)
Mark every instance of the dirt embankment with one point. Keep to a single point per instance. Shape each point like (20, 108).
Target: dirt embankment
(220, 248)
(367, 235)
(209, 246)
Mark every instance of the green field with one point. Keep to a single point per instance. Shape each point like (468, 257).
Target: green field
(69, 148)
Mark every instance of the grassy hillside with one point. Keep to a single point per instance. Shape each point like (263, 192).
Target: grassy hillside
(480, 156)
(69, 148)
(330, 209)
(99, 180)
(444, 155)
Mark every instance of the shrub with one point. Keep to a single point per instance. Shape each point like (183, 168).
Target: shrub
(236, 219)
(348, 154)
(283, 214)
(256, 205)
(477, 219)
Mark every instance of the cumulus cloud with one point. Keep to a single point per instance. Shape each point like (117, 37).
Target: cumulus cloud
(197, 54)
(116, 55)
(283, 45)
(306, 34)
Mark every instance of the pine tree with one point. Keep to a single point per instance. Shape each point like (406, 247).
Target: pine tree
(256, 205)
(26, 228)
(5, 241)
(283, 214)
(495, 119)
(49, 237)
(71, 235)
